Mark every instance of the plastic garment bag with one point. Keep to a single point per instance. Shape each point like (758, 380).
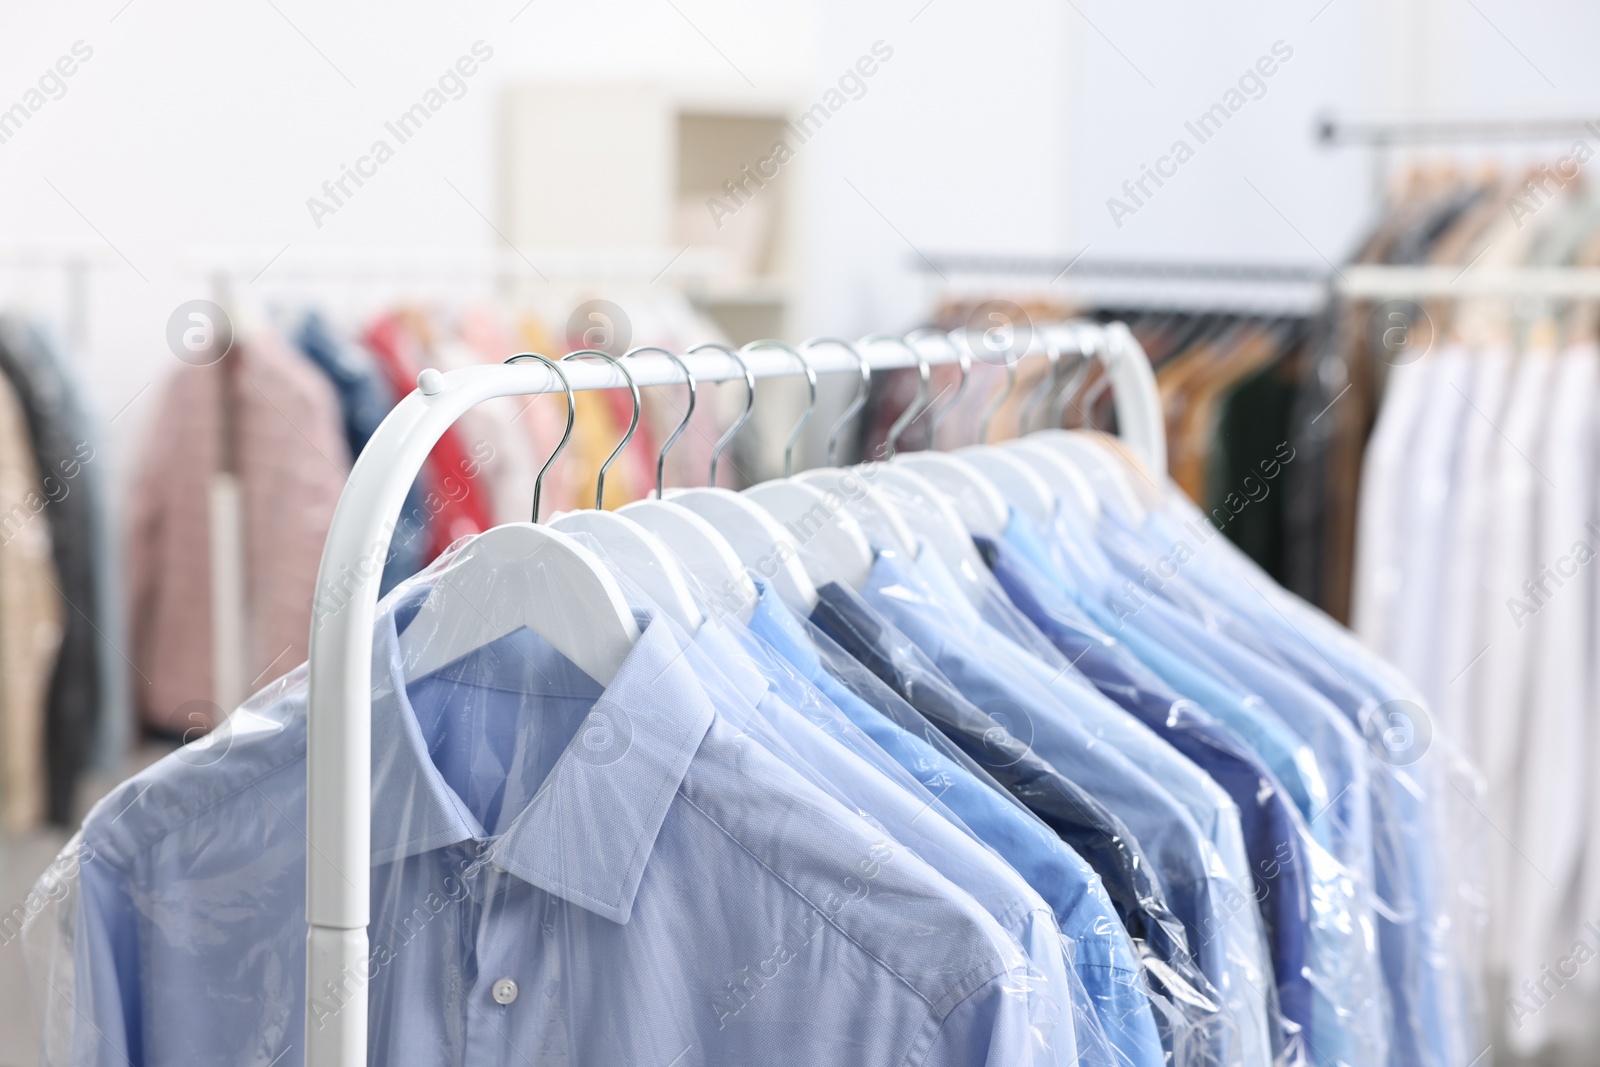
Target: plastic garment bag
(1193, 1023)
(760, 694)
(1428, 884)
(1231, 943)
(809, 714)
(561, 873)
(1328, 775)
(1268, 819)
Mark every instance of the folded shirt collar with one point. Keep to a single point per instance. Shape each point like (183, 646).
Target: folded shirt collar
(587, 834)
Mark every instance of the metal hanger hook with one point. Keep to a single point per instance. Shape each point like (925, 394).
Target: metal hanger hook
(909, 415)
(1052, 352)
(811, 400)
(963, 359)
(1075, 377)
(1098, 346)
(856, 404)
(1000, 399)
(683, 424)
(744, 416)
(566, 435)
(633, 423)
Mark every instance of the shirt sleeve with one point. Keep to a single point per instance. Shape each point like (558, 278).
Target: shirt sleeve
(988, 1028)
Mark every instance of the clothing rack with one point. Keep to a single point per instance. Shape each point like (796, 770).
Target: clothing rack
(1370, 282)
(339, 708)
(1383, 137)
(1243, 285)
(76, 263)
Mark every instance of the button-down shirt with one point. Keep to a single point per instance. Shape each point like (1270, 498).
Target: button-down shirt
(761, 696)
(1034, 713)
(1103, 957)
(1101, 838)
(1268, 817)
(1233, 950)
(1347, 1011)
(1423, 970)
(561, 873)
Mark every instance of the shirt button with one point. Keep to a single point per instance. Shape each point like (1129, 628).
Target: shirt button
(505, 991)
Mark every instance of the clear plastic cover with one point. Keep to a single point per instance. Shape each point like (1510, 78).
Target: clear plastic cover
(1196, 1027)
(1428, 890)
(561, 871)
(767, 697)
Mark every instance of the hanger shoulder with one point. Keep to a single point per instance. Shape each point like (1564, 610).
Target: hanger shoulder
(522, 575)
(937, 524)
(762, 544)
(638, 555)
(703, 551)
(1110, 483)
(833, 546)
(1071, 486)
(1015, 480)
(868, 505)
(981, 507)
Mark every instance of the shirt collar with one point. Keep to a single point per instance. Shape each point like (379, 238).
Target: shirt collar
(774, 622)
(590, 829)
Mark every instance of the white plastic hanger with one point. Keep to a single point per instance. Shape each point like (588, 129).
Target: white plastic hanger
(1021, 486)
(981, 507)
(766, 549)
(704, 553)
(1064, 481)
(630, 549)
(760, 541)
(1107, 481)
(936, 520)
(880, 520)
(524, 575)
(832, 546)
(1070, 484)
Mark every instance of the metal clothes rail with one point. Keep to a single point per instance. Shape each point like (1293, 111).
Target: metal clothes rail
(339, 713)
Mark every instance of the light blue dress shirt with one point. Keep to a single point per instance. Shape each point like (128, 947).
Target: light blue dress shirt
(1102, 956)
(1424, 975)
(1237, 947)
(561, 873)
(1037, 716)
(761, 695)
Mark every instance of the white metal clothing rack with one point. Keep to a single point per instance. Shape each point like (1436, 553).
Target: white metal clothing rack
(1552, 283)
(339, 716)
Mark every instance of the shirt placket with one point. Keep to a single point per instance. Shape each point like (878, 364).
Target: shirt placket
(508, 1001)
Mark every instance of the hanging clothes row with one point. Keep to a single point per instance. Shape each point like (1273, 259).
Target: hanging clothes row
(63, 693)
(994, 756)
(1477, 527)
(287, 412)
(1231, 381)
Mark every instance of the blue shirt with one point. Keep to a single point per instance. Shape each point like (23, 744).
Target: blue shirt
(757, 693)
(1268, 817)
(1189, 1003)
(1232, 946)
(1036, 715)
(560, 872)
(1423, 977)
(1104, 957)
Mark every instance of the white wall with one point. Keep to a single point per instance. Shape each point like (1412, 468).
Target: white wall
(996, 127)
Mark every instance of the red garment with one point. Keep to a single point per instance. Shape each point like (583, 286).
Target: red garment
(452, 493)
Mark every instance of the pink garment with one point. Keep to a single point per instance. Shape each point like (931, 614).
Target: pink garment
(292, 462)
